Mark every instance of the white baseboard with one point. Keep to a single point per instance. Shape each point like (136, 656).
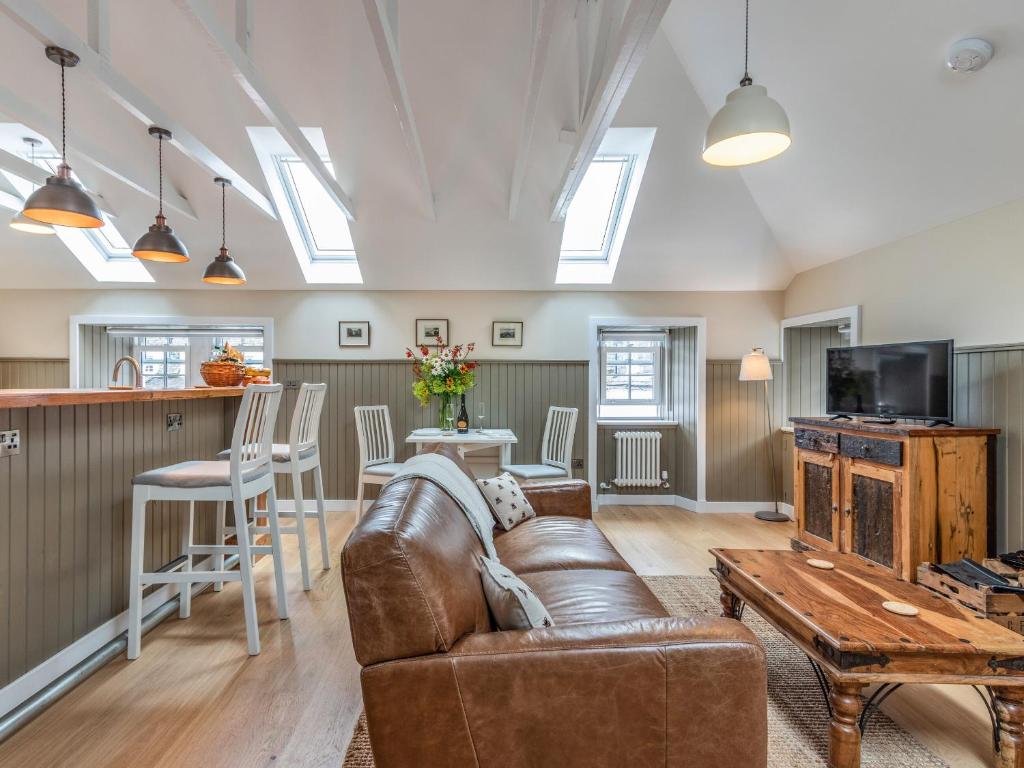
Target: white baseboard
(692, 505)
(330, 505)
(645, 499)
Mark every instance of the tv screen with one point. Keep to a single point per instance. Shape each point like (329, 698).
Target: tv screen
(912, 381)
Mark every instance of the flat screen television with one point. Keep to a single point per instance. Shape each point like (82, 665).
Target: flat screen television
(890, 381)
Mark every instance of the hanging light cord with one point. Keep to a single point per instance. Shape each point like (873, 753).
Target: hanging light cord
(63, 118)
(223, 218)
(160, 161)
(746, 49)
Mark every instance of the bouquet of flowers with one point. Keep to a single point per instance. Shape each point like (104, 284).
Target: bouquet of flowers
(443, 372)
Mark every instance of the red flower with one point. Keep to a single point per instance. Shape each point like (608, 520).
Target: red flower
(463, 368)
(424, 351)
(408, 353)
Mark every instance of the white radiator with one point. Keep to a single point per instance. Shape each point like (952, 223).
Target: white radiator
(638, 459)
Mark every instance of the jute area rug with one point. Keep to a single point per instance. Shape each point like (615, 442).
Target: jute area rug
(797, 718)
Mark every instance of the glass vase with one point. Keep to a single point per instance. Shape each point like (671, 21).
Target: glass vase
(444, 411)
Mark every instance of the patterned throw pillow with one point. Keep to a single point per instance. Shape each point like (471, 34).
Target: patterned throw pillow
(506, 500)
(512, 603)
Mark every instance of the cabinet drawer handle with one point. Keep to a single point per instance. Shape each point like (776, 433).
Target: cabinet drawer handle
(835, 507)
(847, 511)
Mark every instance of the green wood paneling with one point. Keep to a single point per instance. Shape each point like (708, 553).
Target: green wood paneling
(805, 367)
(33, 373)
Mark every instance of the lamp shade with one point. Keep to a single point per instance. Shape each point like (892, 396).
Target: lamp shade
(750, 128)
(62, 201)
(160, 244)
(23, 223)
(756, 366)
(224, 271)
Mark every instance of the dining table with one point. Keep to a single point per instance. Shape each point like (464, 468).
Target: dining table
(467, 442)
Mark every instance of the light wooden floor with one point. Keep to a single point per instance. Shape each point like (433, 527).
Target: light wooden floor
(195, 698)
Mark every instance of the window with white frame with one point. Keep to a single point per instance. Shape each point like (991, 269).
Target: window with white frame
(323, 224)
(598, 216)
(173, 361)
(633, 375)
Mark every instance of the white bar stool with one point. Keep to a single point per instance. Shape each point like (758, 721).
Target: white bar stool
(301, 454)
(376, 449)
(247, 475)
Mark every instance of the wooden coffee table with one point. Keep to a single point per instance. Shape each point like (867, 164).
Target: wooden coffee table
(836, 618)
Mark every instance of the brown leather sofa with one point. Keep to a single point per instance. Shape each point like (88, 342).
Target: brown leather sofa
(616, 681)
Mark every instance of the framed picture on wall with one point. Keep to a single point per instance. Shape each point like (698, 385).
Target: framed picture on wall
(353, 333)
(427, 332)
(507, 333)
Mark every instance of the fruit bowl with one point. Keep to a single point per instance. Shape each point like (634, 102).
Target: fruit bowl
(222, 374)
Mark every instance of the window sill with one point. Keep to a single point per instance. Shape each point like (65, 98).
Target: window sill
(637, 423)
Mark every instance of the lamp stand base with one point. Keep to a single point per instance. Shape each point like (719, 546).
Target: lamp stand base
(771, 517)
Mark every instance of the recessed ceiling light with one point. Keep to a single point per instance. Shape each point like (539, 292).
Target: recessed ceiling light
(969, 55)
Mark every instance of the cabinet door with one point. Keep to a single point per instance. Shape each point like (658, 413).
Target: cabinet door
(871, 503)
(817, 498)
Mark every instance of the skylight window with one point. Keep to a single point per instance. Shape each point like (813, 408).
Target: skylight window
(102, 251)
(317, 228)
(598, 217)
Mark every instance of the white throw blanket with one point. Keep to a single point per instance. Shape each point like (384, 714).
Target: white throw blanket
(445, 474)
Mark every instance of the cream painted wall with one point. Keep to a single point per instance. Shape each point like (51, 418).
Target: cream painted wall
(961, 280)
(35, 323)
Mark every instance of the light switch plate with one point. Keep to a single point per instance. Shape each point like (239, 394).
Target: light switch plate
(10, 443)
(173, 422)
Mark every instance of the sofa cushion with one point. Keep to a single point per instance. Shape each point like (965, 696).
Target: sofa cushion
(587, 597)
(553, 543)
(513, 604)
(506, 500)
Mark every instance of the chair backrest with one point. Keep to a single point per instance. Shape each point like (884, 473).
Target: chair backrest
(559, 433)
(373, 427)
(305, 429)
(252, 442)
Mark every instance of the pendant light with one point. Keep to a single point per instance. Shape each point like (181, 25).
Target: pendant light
(223, 270)
(61, 200)
(751, 127)
(160, 243)
(20, 221)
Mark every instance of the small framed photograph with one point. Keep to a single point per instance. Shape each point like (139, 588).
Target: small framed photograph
(427, 332)
(353, 333)
(506, 333)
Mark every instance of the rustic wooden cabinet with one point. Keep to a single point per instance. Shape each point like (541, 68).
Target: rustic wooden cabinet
(896, 495)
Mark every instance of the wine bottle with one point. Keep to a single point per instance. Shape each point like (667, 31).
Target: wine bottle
(462, 423)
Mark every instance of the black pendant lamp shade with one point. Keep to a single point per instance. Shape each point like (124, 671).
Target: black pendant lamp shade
(160, 243)
(61, 200)
(21, 222)
(223, 270)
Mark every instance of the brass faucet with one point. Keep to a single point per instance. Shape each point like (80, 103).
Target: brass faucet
(117, 371)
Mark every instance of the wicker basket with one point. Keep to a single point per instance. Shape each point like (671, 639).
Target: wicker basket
(222, 374)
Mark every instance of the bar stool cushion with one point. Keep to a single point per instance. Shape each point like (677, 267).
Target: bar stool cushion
(385, 470)
(282, 453)
(534, 471)
(195, 474)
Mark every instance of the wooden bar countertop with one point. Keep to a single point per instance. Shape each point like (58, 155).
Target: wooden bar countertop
(30, 398)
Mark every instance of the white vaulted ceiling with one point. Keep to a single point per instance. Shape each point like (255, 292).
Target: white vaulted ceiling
(886, 142)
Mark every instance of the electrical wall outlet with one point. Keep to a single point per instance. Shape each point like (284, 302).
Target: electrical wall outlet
(173, 422)
(577, 463)
(292, 384)
(10, 443)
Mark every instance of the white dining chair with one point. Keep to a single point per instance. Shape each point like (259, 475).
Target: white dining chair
(300, 455)
(555, 449)
(376, 449)
(246, 475)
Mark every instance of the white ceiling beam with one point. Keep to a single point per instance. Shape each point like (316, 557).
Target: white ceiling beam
(545, 16)
(19, 166)
(385, 37)
(99, 27)
(10, 202)
(598, 43)
(32, 17)
(19, 110)
(264, 99)
(638, 27)
(243, 24)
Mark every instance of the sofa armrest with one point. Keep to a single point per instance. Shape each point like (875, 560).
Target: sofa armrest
(559, 497)
(656, 692)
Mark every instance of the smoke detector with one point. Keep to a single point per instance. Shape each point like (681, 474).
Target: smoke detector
(969, 55)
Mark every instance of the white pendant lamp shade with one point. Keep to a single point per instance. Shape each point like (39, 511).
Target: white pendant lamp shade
(756, 366)
(750, 128)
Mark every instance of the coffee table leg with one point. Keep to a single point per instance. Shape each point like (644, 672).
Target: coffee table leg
(732, 606)
(844, 729)
(1009, 704)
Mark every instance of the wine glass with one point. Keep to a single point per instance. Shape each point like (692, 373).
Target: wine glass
(481, 414)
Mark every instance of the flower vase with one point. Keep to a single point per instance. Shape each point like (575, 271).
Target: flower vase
(444, 411)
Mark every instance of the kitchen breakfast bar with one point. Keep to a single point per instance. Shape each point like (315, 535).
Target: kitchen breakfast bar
(65, 504)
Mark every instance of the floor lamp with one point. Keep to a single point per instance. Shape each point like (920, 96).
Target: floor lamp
(756, 366)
